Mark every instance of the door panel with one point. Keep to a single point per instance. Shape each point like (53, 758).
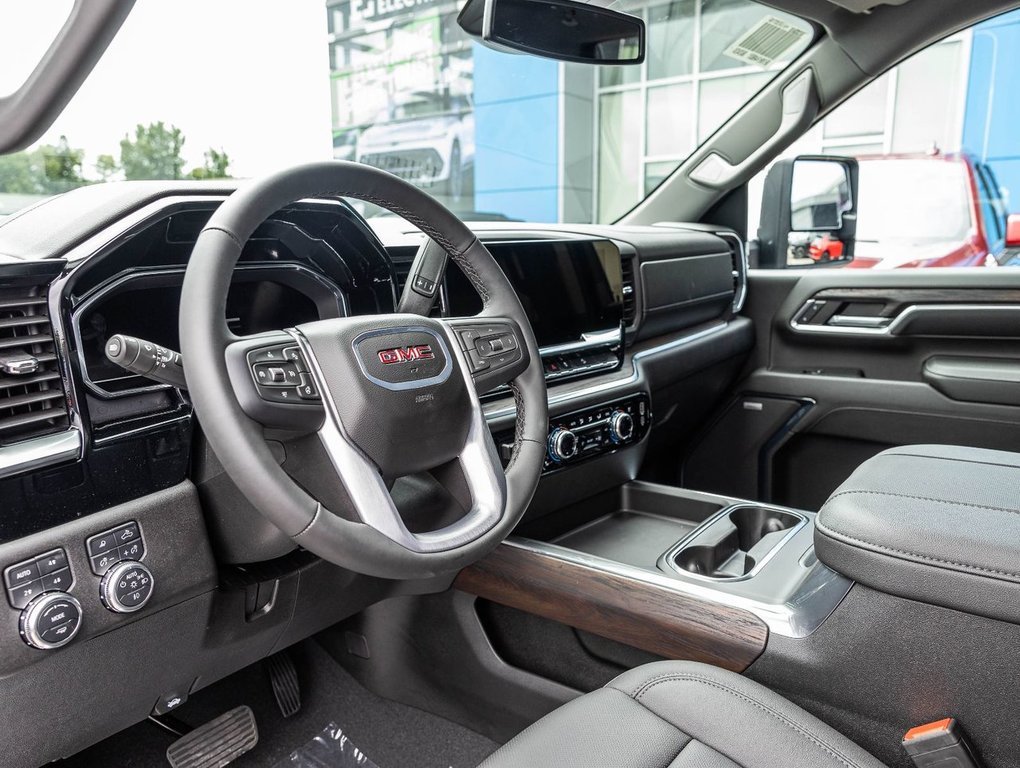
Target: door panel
(897, 358)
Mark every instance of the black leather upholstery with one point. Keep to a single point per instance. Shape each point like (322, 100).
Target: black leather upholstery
(935, 523)
(676, 714)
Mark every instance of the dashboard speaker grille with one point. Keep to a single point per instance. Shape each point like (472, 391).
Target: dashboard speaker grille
(629, 297)
(32, 399)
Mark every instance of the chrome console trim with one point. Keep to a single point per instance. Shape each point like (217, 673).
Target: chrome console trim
(588, 341)
(39, 452)
(800, 614)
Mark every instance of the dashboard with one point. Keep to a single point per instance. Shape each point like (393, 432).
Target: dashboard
(90, 452)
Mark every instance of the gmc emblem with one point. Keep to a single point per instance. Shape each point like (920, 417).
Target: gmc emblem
(406, 354)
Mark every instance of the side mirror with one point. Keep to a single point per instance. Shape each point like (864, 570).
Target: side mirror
(564, 30)
(1013, 230)
(809, 212)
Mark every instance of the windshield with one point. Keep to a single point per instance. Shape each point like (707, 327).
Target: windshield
(237, 89)
(913, 201)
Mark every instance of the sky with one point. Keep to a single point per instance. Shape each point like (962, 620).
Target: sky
(250, 77)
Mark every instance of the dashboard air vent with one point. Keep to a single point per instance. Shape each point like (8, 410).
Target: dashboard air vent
(32, 401)
(739, 258)
(629, 297)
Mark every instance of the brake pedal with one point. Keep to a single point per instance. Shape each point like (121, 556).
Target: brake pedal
(217, 743)
(284, 678)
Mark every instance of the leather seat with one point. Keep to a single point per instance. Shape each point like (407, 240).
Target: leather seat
(676, 714)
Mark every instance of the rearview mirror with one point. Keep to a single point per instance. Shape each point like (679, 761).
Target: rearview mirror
(564, 30)
(809, 212)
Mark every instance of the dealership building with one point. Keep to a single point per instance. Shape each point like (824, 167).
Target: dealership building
(566, 142)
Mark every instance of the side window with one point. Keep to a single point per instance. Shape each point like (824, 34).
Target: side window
(938, 155)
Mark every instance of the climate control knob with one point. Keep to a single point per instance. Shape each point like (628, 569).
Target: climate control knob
(126, 587)
(621, 426)
(562, 445)
(50, 621)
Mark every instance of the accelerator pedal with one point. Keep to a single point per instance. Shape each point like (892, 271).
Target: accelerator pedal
(217, 743)
(284, 678)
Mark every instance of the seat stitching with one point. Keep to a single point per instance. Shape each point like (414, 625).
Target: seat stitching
(953, 459)
(976, 570)
(862, 492)
(832, 751)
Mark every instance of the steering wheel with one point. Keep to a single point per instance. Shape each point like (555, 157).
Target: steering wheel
(388, 395)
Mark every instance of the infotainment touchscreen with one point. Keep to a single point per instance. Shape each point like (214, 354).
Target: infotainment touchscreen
(569, 288)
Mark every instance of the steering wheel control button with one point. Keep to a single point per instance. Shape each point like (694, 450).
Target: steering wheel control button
(307, 389)
(280, 373)
(424, 286)
(50, 621)
(126, 587)
(110, 547)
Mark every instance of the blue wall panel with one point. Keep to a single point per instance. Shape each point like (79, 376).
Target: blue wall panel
(517, 135)
(991, 126)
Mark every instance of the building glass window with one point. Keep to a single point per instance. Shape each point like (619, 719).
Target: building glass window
(671, 39)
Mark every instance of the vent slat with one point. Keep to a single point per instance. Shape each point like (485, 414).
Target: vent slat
(23, 321)
(22, 303)
(32, 398)
(25, 341)
(28, 419)
(629, 296)
(8, 382)
(32, 404)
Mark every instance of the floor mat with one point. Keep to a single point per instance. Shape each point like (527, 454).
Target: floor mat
(391, 735)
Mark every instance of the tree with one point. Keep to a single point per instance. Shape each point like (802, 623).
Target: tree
(216, 166)
(46, 170)
(106, 167)
(62, 165)
(153, 153)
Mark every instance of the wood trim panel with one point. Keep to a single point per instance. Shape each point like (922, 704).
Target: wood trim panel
(617, 607)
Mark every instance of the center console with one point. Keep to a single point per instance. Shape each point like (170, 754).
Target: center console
(678, 573)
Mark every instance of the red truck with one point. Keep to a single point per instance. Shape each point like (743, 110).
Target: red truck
(928, 210)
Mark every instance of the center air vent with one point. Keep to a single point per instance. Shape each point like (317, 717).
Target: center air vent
(32, 401)
(629, 297)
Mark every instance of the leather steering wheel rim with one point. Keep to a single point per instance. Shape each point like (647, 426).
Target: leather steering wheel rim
(238, 440)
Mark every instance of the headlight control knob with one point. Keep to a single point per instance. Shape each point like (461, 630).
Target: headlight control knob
(50, 621)
(126, 587)
(621, 426)
(562, 444)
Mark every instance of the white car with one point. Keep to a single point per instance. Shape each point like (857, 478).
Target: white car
(425, 139)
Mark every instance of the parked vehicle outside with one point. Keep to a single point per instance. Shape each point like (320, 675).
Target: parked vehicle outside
(927, 210)
(426, 139)
(826, 248)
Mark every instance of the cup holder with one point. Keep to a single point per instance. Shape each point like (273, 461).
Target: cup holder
(734, 543)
